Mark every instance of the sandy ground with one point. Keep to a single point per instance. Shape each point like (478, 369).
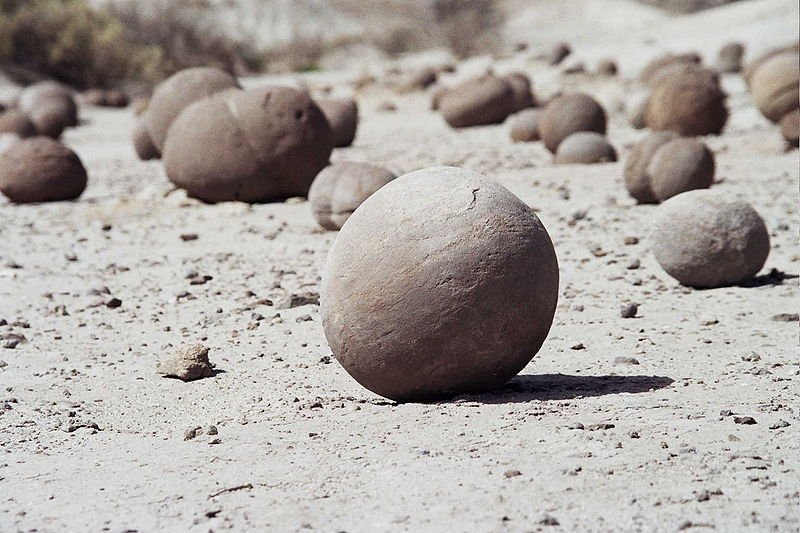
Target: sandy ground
(586, 438)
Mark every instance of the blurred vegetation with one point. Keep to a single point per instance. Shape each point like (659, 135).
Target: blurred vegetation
(86, 47)
(470, 27)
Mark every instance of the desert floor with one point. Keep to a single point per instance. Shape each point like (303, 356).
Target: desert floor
(616, 425)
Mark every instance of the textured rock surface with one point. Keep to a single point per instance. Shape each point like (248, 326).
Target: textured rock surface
(477, 102)
(40, 169)
(637, 180)
(568, 114)
(585, 147)
(442, 282)
(341, 187)
(680, 165)
(708, 239)
(187, 364)
(252, 146)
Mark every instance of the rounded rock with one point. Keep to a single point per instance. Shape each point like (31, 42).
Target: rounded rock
(729, 58)
(774, 85)
(442, 282)
(143, 144)
(607, 67)
(637, 180)
(16, 122)
(50, 94)
(525, 125)
(690, 104)
(51, 118)
(477, 102)
(706, 239)
(558, 52)
(585, 147)
(522, 95)
(340, 188)
(40, 169)
(652, 71)
(253, 146)
(569, 114)
(177, 92)
(635, 109)
(680, 165)
(790, 127)
(342, 115)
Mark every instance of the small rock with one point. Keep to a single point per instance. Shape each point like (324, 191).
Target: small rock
(631, 240)
(189, 237)
(778, 425)
(786, 317)
(746, 420)
(113, 303)
(600, 427)
(633, 265)
(576, 425)
(296, 300)
(726, 412)
(191, 433)
(629, 311)
(511, 473)
(548, 520)
(187, 364)
(211, 430)
(578, 346)
(625, 360)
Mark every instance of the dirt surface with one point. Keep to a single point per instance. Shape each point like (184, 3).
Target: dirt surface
(618, 424)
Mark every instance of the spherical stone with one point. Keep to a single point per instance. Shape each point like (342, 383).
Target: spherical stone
(680, 165)
(341, 187)
(40, 169)
(607, 67)
(790, 127)
(690, 104)
(585, 147)
(637, 180)
(558, 52)
(525, 125)
(774, 85)
(253, 146)
(16, 122)
(651, 70)
(477, 102)
(707, 239)
(49, 94)
(342, 115)
(142, 143)
(177, 92)
(442, 282)
(568, 114)
(729, 58)
(52, 117)
(522, 96)
(752, 66)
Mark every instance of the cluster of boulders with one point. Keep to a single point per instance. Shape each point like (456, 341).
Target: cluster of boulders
(45, 108)
(483, 100)
(221, 142)
(773, 80)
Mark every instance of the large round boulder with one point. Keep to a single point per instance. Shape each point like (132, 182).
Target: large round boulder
(340, 188)
(41, 169)
(522, 94)
(774, 85)
(51, 94)
(689, 104)
(254, 146)
(637, 180)
(177, 92)
(16, 122)
(442, 282)
(477, 102)
(707, 239)
(680, 165)
(569, 114)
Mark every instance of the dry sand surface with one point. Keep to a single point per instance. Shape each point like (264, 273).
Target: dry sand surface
(616, 425)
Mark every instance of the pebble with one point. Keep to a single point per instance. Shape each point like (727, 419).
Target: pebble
(629, 311)
(745, 420)
(786, 317)
(625, 360)
(778, 425)
(187, 364)
(578, 346)
(511, 473)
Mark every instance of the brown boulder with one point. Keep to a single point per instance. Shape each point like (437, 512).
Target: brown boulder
(680, 165)
(637, 180)
(585, 147)
(477, 102)
(774, 85)
(690, 104)
(40, 169)
(342, 115)
(568, 114)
